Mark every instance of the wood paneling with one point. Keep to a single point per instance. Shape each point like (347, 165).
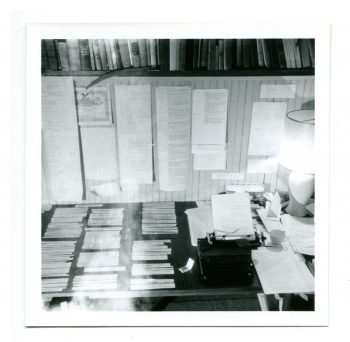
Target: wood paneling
(243, 92)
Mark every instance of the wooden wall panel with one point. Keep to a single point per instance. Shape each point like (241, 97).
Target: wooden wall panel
(243, 92)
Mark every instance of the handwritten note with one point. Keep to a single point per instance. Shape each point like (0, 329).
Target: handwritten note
(267, 126)
(173, 106)
(134, 126)
(211, 160)
(231, 213)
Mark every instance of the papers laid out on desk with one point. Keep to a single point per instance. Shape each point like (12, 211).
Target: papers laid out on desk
(159, 218)
(281, 270)
(150, 250)
(106, 217)
(301, 231)
(232, 213)
(270, 223)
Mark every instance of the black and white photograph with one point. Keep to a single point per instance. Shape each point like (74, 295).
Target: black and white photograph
(178, 174)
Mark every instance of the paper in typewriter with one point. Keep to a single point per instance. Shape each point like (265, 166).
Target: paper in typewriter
(231, 213)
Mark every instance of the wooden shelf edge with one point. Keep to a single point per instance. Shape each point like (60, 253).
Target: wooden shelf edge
(190, 73)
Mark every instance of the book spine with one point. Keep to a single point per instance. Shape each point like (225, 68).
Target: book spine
(183, 52)
(134, 53)
(103, 54)
(304, 52)
(280, 53)
(211, 54)
(273, 53)
(85, 59)
(52, 54)
(246, 53)
(221, 54)
(189, 54)
(113, 53)
(260, 53)
(253, 54)
(92, 58)
(216, 54)
(204, 44)
(239, 54)
(234, 53)
(289, 45)
(178, 46)
(153, 53)
(158, 54)
(143, 52)
(172, 54)
(63, 54)
(228, 54)
(44, 59)
(266, 53)
(287, 53)
(148, 50)
(164, 54)
(124, 53)
(196, 54)
(296, 53)
(119, 64)
(311, 46)
(109, 54)
(97, 54)
(73, 54)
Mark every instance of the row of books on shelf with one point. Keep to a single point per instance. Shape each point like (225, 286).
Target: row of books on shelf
(176, 54)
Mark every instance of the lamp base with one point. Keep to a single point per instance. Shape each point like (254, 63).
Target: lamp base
(301, 187)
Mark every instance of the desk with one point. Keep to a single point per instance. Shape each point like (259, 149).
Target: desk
(189, 285)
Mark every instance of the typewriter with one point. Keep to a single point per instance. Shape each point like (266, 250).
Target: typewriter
(227, 260)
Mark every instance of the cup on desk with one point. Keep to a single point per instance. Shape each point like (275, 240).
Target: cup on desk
(277, 236)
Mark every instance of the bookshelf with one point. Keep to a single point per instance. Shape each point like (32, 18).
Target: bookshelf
(178, 57)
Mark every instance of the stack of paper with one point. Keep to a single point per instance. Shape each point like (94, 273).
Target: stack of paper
(150, 250)
(151, 284)
(151, 269)
(66, 223)
(98, 259)
(54, 284)
(159, 218)
(301, 232)
(280, 270)
(106, 217)
(93, 282)
(101, 240)
(56, 258)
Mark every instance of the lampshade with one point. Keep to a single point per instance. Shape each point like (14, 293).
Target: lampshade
(297, 148)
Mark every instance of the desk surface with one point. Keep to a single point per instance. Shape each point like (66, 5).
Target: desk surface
(188, 284)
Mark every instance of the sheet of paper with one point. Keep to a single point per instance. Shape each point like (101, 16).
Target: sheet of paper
(58, 110)
(200, 222)
(232, 212)
(94, 106)
(63, 165)
(280, 270)
(267, 126)
(278, 91)
(274, 207)
(173, 106)
(134, 125)
(100, 153)
(106, 189)
(211, 160)
(301, 232)
(209, 116)
(262, 165)
(60, 139)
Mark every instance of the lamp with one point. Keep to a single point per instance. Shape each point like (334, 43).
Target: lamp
(297, 155)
